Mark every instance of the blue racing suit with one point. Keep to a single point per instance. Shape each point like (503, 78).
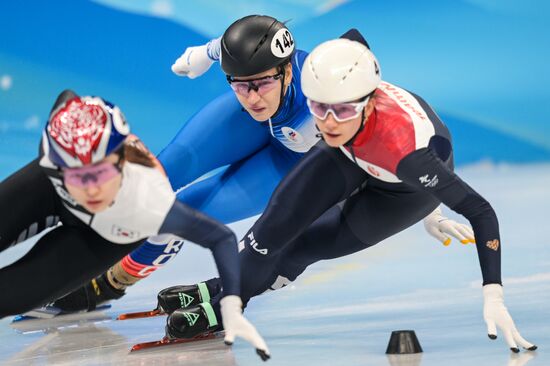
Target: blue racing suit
(253, 157)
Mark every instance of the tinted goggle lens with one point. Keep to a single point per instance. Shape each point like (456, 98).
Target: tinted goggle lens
(260, 86)
(93, 175)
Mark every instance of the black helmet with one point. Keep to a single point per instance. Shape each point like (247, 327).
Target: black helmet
(254, 44)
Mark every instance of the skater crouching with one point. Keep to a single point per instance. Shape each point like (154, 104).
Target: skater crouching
(110, 194)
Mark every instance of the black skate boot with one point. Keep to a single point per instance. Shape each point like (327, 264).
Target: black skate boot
(192, 321)
(184, 296)
(96, 292)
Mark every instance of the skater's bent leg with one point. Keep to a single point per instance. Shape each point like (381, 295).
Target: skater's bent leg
(328, 237)
(27, 205)
(232, 195)
(322, 178)
(61, 261)
(365, 219)
(233, 133)
(240, 191)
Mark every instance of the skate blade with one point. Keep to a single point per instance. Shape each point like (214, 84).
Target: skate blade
(28, 324)
(141, 314)
(169, 342)
(45, 312)
(48, 312)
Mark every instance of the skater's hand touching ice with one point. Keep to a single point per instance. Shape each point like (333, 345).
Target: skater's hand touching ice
(236, 325)
(443, 228)
(496, 314)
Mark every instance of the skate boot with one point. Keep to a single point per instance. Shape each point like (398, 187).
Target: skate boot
(96, 292)
(184, 296)
(192, 321)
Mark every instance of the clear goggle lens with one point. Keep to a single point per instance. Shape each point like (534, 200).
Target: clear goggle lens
(342, 112)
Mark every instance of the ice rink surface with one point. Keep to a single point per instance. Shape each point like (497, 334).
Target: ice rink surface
(343, 311)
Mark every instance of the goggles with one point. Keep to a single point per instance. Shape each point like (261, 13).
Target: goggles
(342, 112)
(91, 175)
(260, 86)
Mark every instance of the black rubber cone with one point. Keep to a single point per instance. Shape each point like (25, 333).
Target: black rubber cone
(403, 342)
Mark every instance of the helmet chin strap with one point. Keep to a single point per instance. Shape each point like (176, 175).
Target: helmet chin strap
(352, 139)
(361, 127)
(282, 95)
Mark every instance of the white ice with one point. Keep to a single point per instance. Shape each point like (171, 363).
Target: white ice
(342, 312)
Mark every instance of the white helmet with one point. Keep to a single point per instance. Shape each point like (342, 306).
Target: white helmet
(339, 71)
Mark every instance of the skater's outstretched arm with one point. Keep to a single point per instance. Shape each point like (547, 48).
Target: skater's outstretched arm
(186, 222)
(425, 170)
(193, 225)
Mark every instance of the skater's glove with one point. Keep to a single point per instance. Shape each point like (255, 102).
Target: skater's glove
(195, 61)
(236, 325)
(496, 314)
(443, 228)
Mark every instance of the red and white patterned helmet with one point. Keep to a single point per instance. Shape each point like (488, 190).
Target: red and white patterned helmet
(83, 131)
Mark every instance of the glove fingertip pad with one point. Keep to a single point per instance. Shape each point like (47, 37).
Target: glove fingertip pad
(263, 354)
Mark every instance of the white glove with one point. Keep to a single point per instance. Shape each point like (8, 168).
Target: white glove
(496, 314)
(235, 324)
(443, 228)
(195, 61)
